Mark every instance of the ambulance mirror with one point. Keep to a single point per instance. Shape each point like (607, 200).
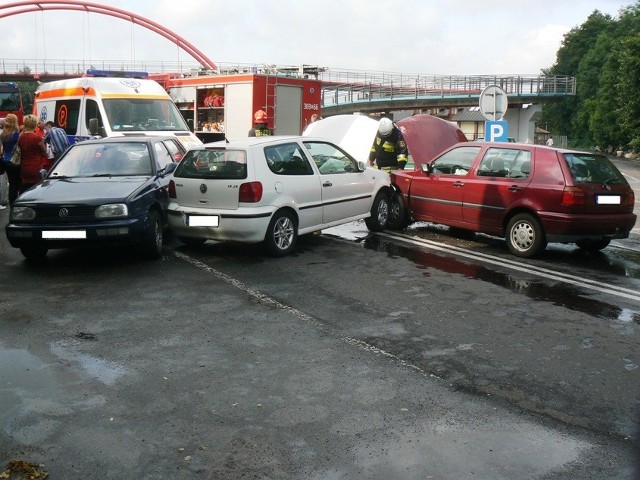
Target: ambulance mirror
(93, 126)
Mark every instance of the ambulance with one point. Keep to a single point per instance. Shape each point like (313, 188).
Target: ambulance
(103, 105)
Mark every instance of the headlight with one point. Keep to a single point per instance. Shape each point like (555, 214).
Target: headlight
(22, 213)
(112, 210)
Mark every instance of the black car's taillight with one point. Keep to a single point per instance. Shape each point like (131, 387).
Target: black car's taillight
(250, 192)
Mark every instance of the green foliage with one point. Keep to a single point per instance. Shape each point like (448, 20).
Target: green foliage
(604, 55)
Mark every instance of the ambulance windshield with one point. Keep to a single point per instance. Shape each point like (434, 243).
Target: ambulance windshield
(137, 115)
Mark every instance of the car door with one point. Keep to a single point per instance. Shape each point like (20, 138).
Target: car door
(438, 195)
(295, 181)
(499, 180)
(346, 191)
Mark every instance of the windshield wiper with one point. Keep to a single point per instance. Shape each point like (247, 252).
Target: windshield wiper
(102, 175)
(607, 181)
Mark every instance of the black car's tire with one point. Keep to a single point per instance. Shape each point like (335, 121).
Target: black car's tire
(525, 237)
(398, 215)
(593, 245)
(152, 244)
(379, 213)
(34, 253)
(282, 234)
(192, 241)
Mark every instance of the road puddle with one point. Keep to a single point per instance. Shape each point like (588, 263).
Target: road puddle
(558, 293)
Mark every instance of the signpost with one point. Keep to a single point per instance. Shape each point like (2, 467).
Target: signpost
(493, 106)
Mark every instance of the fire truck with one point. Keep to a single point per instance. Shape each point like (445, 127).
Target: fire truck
(221, 104)
(12, 101)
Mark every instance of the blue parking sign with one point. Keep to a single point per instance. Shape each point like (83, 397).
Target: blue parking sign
(496, 131)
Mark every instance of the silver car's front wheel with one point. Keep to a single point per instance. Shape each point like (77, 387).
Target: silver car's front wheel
(282, 234)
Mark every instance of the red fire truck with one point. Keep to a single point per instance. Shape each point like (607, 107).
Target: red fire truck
(222, 104)
(12, 101)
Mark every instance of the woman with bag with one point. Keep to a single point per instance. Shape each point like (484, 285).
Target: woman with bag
(33, 154)
(9, 139)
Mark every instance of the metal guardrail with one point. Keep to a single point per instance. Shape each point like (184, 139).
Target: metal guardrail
(339, 86)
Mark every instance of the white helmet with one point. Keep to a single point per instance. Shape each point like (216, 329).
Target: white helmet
(385, 126)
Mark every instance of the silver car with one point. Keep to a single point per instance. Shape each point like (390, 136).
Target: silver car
(272, 189)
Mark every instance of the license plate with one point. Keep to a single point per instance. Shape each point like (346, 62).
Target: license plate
(203, 221)
(608, 200)
(64, 234)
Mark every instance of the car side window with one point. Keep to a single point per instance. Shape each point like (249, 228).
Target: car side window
(287, 159)
(456, 162)
(162, 154)
(174, 150)
(330, 159)
(505, 162)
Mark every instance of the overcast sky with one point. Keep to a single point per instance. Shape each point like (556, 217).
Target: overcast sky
(460, 37)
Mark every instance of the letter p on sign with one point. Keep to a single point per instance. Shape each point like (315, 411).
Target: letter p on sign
(496, 131)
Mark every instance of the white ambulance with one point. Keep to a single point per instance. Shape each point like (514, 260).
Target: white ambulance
(99, 105)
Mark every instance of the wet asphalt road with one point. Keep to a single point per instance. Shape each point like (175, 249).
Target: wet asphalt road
(350, 360)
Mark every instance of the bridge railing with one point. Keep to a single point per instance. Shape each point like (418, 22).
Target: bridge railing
(339, 86)
(360, 86)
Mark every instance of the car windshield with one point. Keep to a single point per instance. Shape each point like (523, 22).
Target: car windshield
(589, 168)
(141, 115)
(213, 163)
(91, 159)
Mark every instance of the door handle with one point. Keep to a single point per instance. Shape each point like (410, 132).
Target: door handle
(327, 184)
(458, 184)
(515, 188)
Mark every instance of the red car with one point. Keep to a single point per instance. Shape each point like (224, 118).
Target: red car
(529, 194)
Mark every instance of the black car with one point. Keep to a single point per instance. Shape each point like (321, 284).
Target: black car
(109, 191)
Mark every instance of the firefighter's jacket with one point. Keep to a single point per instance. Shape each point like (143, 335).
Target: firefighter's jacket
(389, 151)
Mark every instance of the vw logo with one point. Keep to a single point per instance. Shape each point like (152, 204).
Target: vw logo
(63, 213)
(203, 188)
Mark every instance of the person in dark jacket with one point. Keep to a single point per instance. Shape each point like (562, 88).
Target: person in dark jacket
(389, 150)
(260, 128)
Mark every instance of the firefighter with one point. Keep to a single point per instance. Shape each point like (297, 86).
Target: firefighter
(260, 128)
(389, 150)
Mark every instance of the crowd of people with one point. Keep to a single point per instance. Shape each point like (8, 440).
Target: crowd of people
(24, 151)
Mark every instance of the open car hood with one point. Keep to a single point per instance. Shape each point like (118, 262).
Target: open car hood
(353, 133)
(426, 135)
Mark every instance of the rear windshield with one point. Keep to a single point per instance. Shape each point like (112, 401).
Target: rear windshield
(213, 163)
(588, 168)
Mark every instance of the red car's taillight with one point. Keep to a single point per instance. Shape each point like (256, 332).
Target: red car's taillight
(250, 192)
(631, 198)
(572, 196)
(172, 189)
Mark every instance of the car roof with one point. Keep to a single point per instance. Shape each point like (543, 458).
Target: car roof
(529, 145)
(130, 138)
(256, 141)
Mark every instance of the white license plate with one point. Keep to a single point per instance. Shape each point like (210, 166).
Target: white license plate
(63, 234)
(608, 200)
(203, 221)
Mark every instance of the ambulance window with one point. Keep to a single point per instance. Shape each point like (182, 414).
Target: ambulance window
(163, 155)
(66, 115)
(92, 111)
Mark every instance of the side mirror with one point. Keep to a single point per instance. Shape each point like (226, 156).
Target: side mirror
(170, 168)
(42, 173)
(426, 168)
(362, 166)
(93, 126)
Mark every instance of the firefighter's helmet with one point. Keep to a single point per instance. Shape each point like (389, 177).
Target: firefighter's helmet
(260, 116)
(385, 126)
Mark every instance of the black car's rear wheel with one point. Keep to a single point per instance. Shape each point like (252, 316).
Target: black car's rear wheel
(282, 234)
(152, 243)
(34, 253)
